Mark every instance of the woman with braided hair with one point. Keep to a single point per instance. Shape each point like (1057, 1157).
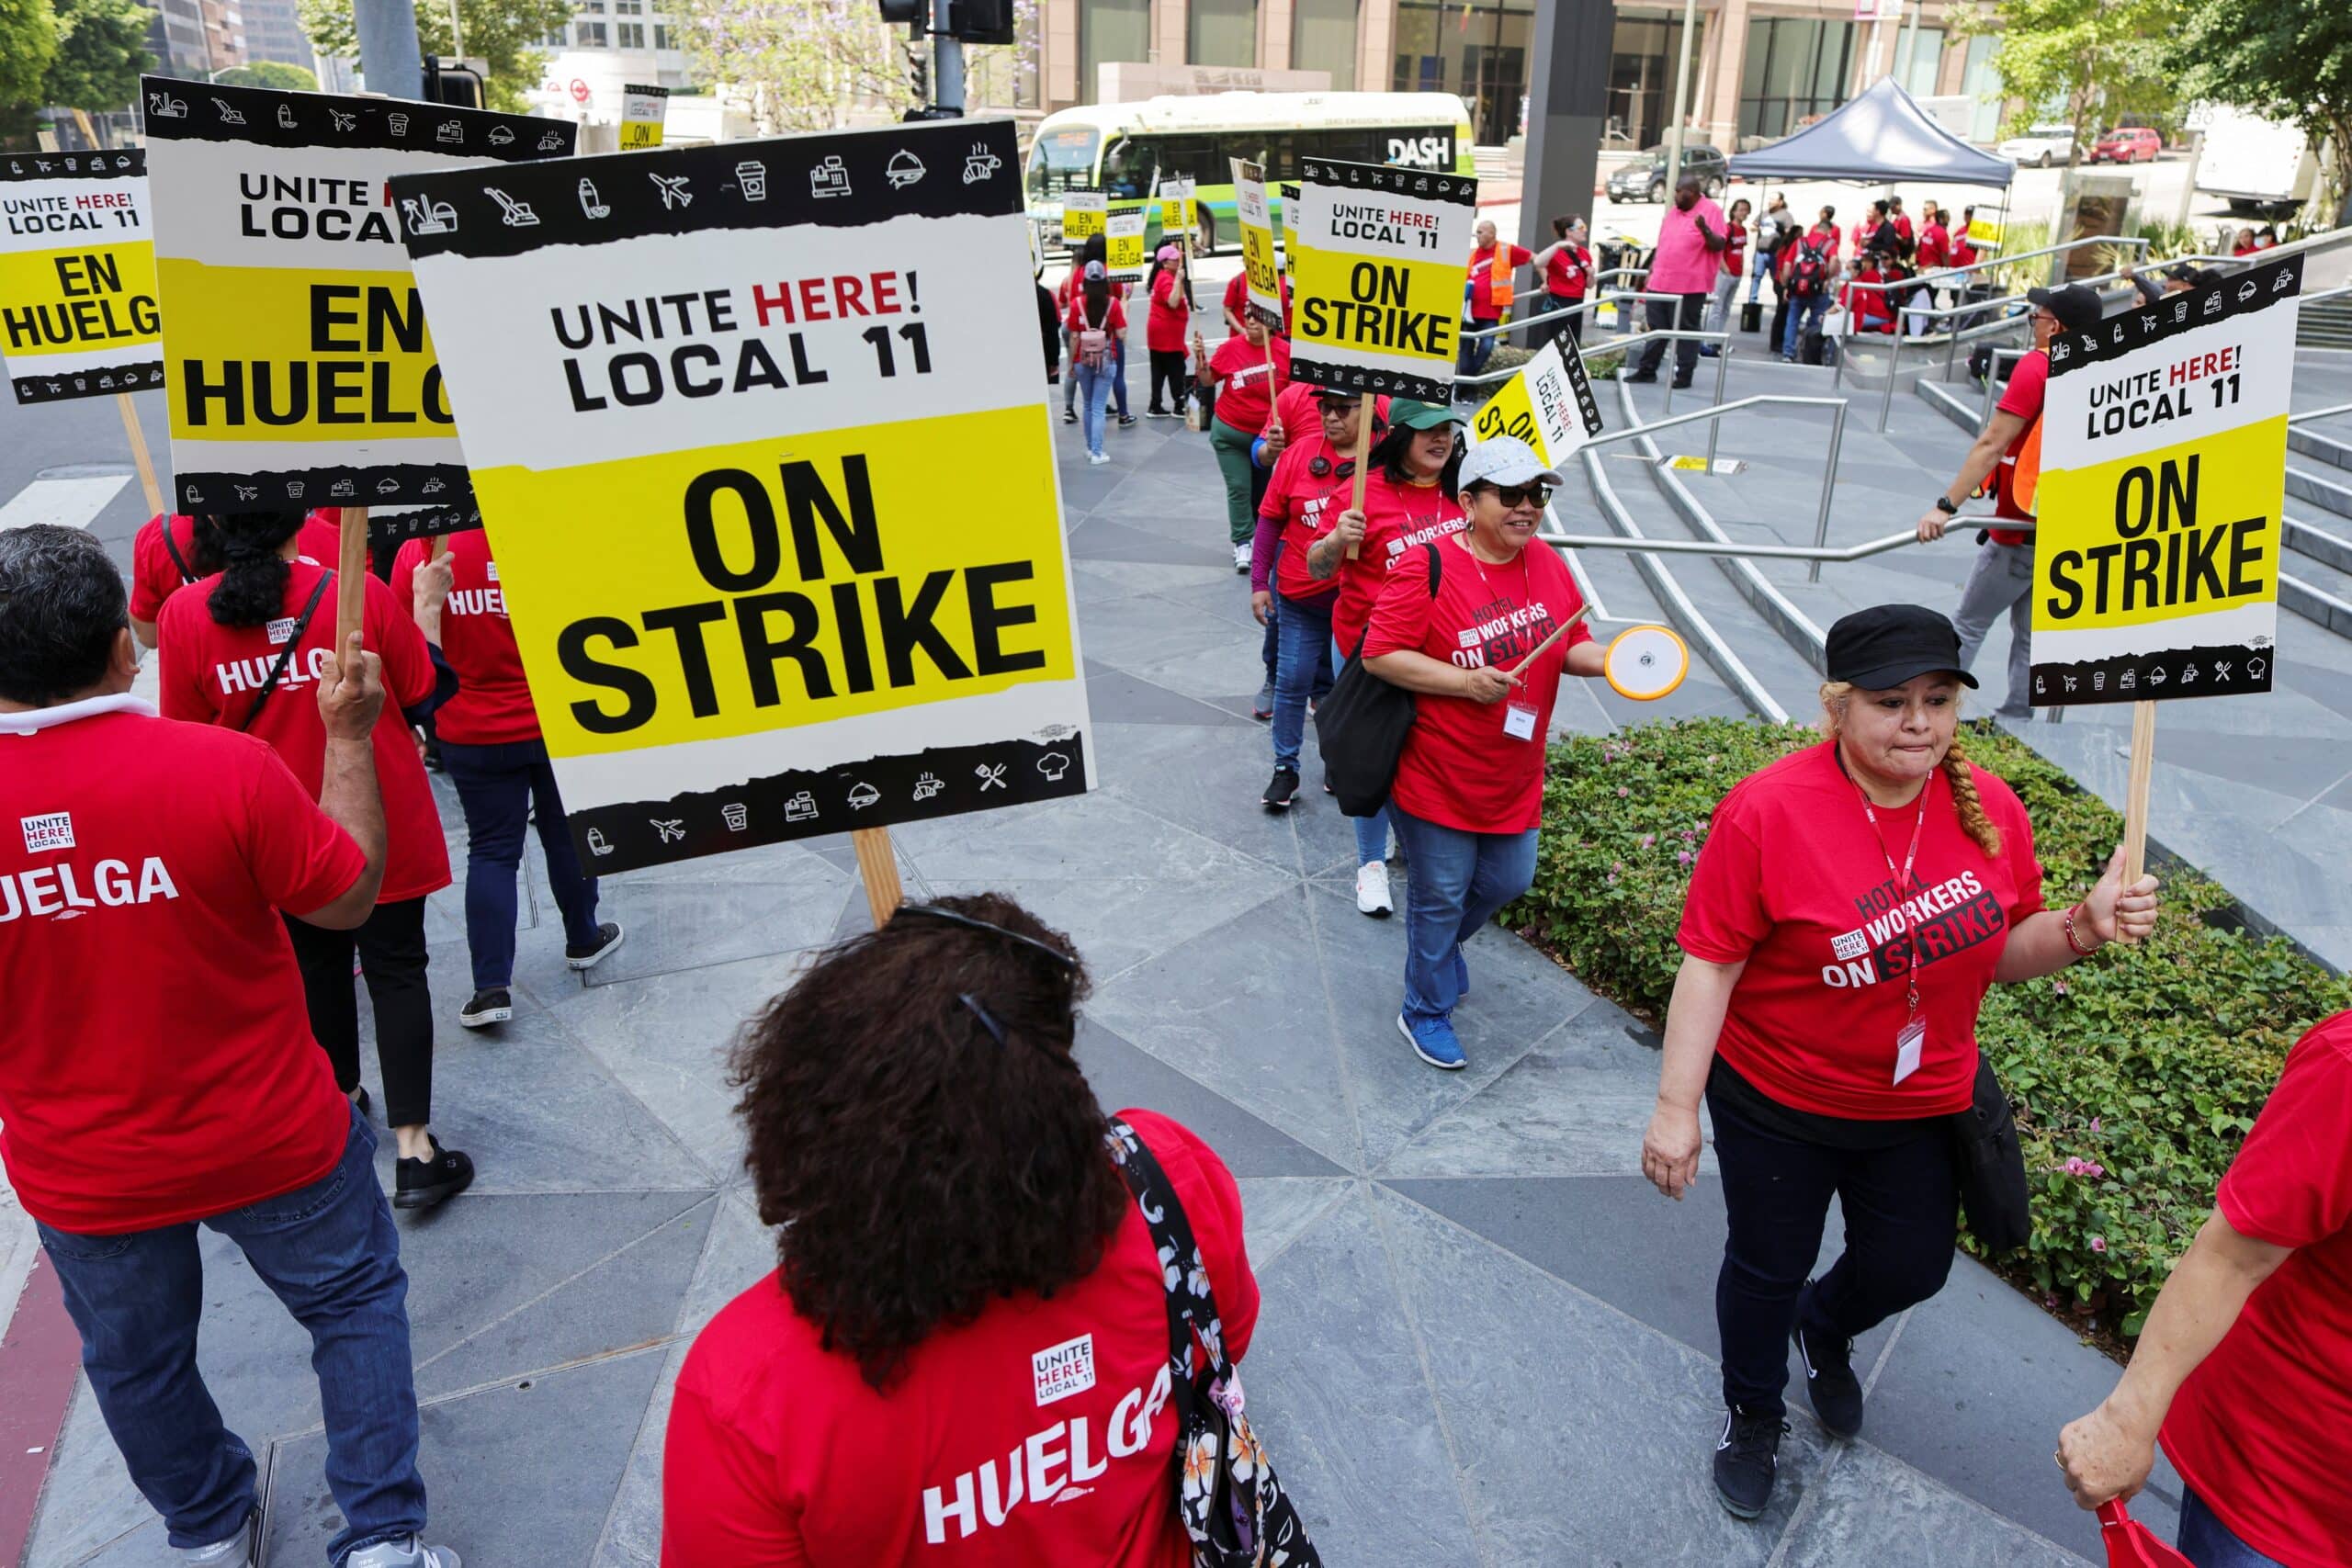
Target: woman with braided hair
(1852, 904)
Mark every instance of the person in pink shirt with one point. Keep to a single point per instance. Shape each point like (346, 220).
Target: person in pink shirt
(1691, 243)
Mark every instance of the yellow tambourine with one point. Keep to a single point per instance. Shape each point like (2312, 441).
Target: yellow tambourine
(1646, 663)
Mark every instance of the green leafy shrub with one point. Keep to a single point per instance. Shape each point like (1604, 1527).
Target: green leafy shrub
(2136, 1074)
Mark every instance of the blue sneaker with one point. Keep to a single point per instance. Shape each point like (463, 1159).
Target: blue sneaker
(1461, 975)
(1432, 1041)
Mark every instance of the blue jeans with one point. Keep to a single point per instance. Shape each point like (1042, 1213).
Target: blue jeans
(1759, 268)
(2208, 1542)
(330, 1252)
(1093, 393)
(499, 785)
(1477, 351)
(1804, 316)
(1372, 832)
(1119, 375)
(1301, 669)
(1458, 880)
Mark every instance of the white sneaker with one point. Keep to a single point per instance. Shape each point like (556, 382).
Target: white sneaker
(1371, 890)
(237, 1552)
(1241, 557)
(1097, 458)
(410, 1554)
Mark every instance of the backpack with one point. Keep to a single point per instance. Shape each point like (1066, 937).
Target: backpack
(1808, 273)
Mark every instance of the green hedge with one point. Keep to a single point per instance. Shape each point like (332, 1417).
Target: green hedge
(2136, 1074)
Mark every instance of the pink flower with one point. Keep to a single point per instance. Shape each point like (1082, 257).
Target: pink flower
(2059, 986)
(1648, 839)
(1684, 857)
(2094, 1124)
(2099, 1244)
(2078, 1166)
(1622, 791)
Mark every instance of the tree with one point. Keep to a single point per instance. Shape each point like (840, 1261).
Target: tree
(27, 43)
(270, 73)
(803, 64)
(2285, 60)
(2081, 62)
(101, 51)
(502, 33)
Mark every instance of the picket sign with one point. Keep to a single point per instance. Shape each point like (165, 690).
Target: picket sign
(1377, 297)
(133, 432)
(2163, 479)
(825, 655)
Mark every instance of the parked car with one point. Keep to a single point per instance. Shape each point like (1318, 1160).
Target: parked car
(2041, 147)
(2127, 144)
(1644, 178)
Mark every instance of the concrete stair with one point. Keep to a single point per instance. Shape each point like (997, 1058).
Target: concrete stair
(2324, 324)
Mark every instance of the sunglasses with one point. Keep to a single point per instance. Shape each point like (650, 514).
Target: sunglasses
(1322, 467)
(1536, 495)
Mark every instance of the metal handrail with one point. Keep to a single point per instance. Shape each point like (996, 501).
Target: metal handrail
(2318, 413)
(1722, 340)
(1716, 413)
(2022, 255)
(1814, 553)
(1610, 298)
(2326, 241)
(1951, 350)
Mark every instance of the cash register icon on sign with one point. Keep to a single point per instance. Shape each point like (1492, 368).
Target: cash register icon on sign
(829, 178)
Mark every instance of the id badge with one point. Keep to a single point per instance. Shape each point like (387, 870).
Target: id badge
(1909, 1045)
(1518, 721)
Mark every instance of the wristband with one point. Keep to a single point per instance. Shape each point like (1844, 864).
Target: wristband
(2072, 940)
(1944, 504)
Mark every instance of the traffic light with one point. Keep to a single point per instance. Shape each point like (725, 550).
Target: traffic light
(456, 81)
(980, 21)
(912, 14)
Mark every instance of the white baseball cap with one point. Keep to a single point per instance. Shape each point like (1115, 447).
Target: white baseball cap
(1504, 460)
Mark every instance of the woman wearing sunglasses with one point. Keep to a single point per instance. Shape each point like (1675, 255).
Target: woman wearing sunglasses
(964, 1357)
(1303, 499)
(1408, 501)
(1469, 790)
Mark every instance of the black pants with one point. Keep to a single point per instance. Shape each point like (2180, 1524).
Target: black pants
(1780, 332)
(390, 944)
(1168, 366)
(1683, 315)
(1569, 327)
(1902, 1211)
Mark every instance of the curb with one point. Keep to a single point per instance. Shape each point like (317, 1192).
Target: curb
(40, 1361)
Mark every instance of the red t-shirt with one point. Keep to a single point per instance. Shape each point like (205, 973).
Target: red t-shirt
(1243, 400)
(1735, 250)
(1935, 245)
(2263, 1428)
(1236, 295)
(1794, 881)
(1460, 768)
(209, 673)
(1170, 317)
(156, 1063)
(1397, 519)
(2022, 397)
(493, 704)
(1114, 321)
(1490, 296)
(1039, 1433)
(1306, 506)
(1568, 270)
(1963, 252)
(155, 576)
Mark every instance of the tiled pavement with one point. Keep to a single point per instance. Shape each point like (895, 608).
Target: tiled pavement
(1485, 1341)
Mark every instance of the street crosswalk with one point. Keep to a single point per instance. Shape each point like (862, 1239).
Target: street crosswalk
(76, 502)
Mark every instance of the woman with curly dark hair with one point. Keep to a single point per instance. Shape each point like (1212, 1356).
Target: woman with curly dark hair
(964, 1355)
(244, 648)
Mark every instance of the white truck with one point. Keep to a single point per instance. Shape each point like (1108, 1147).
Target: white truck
(2260, 166)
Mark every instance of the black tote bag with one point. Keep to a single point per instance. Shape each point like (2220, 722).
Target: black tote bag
(1360, 727)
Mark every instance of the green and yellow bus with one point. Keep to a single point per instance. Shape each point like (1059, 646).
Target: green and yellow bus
(1127, 149)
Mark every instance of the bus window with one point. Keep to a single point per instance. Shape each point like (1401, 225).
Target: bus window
(1127, 165)
(1061, 159)
(1194, 158)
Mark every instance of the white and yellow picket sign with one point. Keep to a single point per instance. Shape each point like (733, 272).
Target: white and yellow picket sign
(78, 317)
(748, 610)
(296, 356)
(1549, 405)
(1380, 262)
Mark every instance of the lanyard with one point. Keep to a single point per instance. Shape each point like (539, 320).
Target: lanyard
(1526, 583)
(1902, 881)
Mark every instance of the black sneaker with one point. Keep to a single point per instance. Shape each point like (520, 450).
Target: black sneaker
(1829, 1380)
(1125, 420)
(421, 1183)
(1682, 383)
(1748, 1459)
(486, 1008)
(1643, 375)
(1281, 788)
(608, 937)
(1069, 415)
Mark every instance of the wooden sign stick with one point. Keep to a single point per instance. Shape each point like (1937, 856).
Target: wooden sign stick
(1364, 458)
(139, 455)
(351, 580)
(877, 865)
(1545, 646)
(2136, 793)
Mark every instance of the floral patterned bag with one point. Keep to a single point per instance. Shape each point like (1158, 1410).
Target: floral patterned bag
(1236, 1512)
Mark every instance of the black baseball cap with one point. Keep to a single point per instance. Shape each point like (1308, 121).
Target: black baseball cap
(2076, 306)
(2195, 276)
(1887, 644)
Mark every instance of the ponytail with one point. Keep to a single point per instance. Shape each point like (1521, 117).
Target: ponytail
(1097, 294)
(252, 590)
(1956, 771)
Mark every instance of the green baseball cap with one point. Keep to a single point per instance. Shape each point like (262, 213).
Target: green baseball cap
(1411, 415)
